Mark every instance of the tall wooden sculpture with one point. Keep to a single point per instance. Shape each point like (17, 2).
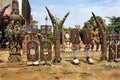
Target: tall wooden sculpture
(57, 27)
(118, 45)
(103, 34)
(112, 47)
(14, 34)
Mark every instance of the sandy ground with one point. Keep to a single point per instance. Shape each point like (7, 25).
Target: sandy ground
(63, 71)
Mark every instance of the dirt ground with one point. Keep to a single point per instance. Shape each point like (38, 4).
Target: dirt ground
(62, 71)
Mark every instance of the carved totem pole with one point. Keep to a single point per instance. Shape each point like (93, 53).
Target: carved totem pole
(112, 47)
(118, 45)
(45, 45)
(57, 27)
(103, 34)
(14, 34)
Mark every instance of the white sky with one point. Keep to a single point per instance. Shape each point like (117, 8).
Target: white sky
(80, 10)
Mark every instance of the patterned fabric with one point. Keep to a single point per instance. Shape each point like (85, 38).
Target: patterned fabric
(74, 36)
(86, 35)
(118, 50)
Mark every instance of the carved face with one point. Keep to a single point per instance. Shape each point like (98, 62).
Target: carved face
(67, 36)
(94, 24)
(104, 25)
(77, 26)
(87, 24)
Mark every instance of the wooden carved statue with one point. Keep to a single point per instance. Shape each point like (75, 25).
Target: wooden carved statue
(112, 47)
(57, 27)
(95, 38)
(103, 34)
(14, 34)
(118, 46)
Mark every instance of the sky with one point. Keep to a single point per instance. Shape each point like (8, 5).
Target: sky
(80, 10)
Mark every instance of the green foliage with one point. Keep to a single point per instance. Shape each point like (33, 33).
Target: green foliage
(39, 30)
(91, 20)
(111, 28)
(57, 20)
(114, 26)
(51, 37)
(66, 29)
(35, 22)
(115, 20)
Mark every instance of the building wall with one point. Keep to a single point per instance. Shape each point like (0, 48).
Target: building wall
(4, 3)
(24, 8)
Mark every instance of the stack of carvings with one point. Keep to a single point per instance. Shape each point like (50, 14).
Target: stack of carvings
(15, 34)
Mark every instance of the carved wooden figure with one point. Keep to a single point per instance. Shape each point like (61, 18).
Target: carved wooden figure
(103, 34)
(118, 46)
(32, 51)
(57, 27)
(66, 44)
(95, 38)
(14, 33)
(112, 47)
(45, 51)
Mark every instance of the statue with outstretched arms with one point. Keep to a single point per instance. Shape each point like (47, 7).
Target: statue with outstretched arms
(57, 27)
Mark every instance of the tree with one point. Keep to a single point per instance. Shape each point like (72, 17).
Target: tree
(35, 22)
(66, 29)
(91, 20)
(39, 30)
(51, 37)
(114, 26)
